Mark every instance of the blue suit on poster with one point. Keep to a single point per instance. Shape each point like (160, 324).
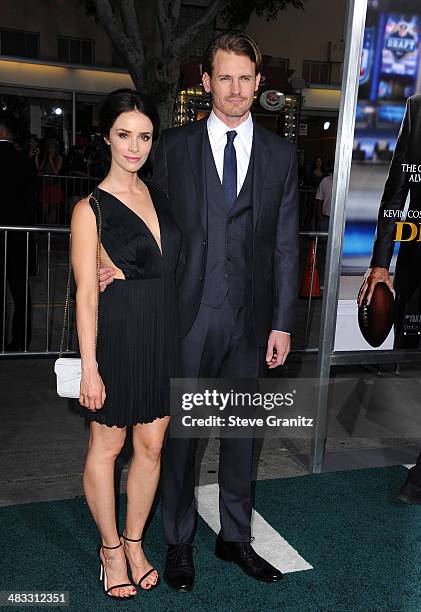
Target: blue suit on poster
(237, 281)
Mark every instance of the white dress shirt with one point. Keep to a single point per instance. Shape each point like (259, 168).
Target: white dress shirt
(217, 131)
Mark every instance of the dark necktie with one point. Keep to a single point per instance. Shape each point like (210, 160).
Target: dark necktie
(229, 177)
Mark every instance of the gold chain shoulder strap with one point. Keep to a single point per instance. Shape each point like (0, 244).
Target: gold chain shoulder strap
(69, 276)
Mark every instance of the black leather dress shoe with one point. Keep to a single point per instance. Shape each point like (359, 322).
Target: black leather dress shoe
(250, 562)
(409, 494)
(179, 567)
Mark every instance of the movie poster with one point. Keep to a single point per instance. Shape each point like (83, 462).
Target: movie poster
(383, 211)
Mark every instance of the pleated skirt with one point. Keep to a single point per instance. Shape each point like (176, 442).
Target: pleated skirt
(138, 350)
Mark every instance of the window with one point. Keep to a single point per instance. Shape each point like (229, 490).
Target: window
(75, 50)
(279, 62)
(316, 72)
(19, 43)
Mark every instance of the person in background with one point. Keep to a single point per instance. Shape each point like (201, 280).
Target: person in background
(33, 151)
(52, 161)
(317, 172)
(324, 198)
(52, 193)
(78, 167)
(18, 188)
(323, 202)
(101, 163)
(77, 160)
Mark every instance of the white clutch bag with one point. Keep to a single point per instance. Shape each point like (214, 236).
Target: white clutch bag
(68, 370)
(68, 374)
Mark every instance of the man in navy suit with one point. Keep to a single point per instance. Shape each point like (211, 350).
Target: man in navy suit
(233, 191)
(232, 188)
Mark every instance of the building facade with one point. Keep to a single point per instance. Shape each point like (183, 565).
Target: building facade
(57, 62)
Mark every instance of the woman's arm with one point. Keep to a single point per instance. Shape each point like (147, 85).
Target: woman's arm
(84, 262)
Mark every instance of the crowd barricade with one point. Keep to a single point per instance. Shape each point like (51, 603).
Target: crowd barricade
(33, 278)
(34, 264)
(57, 194)
(307, 211)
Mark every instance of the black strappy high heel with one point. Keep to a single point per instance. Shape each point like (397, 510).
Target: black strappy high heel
(152, 586)
(103, 577)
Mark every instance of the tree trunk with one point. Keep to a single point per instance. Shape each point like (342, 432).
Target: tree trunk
(166, 110)
(160, 82)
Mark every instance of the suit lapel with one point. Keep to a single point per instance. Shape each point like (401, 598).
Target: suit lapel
(261, 163)
(196, 141)
(196, 149)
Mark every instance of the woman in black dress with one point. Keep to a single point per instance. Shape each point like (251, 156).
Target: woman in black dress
(125, 378)
(317, 172)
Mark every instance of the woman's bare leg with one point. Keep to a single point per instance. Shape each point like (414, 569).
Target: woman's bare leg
(105, 444)
(142, 481)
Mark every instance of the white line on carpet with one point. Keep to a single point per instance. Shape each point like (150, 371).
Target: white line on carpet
(268, 543)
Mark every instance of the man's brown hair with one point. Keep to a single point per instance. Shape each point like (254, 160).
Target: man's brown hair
(234, 42)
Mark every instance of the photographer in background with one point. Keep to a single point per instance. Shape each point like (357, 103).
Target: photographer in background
(17, 207)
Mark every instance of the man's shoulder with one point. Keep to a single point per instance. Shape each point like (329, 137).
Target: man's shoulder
(327, 179)
(180, 132)
(325, 184)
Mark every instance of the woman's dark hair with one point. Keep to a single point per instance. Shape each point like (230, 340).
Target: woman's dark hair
(313, 165)
(234, 42)
(123, 101)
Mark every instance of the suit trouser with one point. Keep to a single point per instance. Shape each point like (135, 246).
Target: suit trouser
(221, 344)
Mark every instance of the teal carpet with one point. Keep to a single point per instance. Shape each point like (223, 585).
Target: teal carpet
(365, 549)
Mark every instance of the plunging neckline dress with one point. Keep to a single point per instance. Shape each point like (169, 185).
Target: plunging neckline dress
(138, 348)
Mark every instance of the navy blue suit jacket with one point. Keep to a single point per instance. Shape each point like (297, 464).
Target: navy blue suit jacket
(179, 169)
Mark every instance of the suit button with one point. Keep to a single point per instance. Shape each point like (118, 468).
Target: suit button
(205, 243)
(232, 221)
(225, 275)
(200, 277)
(229, 258)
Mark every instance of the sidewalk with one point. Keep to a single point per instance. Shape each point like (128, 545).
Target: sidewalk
(43, 443)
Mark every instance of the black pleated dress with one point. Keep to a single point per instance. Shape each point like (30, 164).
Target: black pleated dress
(138, 342)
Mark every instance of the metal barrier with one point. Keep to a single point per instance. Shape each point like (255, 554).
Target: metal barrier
(33, 272)
(317, 237)
(308, 212)
(27, 252)
(58, 194)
